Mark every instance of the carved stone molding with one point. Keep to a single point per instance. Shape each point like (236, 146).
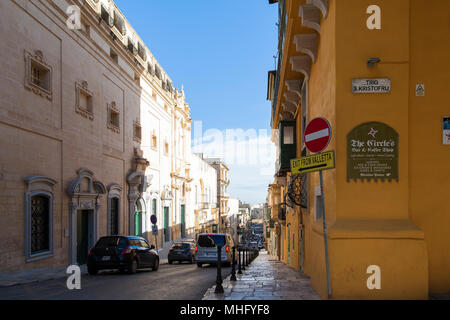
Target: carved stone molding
(295, 86)
(43, 89)
(82, 88)
(292, 97)
(301, 64)
(322, 5)
(307, 44)
(310, 16)
(286, 116)
(289, 107)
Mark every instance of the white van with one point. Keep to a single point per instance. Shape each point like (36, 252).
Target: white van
(206, 248)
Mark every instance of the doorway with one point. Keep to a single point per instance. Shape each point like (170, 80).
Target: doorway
(85, 235)
(166, 225)
(138, 219)
(183, 221)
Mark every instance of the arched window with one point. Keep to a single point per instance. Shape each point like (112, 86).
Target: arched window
(39, 218)
(40, 223)
(114, 200)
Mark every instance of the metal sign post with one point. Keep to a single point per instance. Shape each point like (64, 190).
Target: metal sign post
(325, 236)
(317, 138)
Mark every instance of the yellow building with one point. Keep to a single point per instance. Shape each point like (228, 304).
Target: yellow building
(378, 71)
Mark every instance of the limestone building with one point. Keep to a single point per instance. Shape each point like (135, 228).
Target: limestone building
(94, 136)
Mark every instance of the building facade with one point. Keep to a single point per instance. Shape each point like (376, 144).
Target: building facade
(222, 192)
(95, 138)
(203, 195)
(371, 68)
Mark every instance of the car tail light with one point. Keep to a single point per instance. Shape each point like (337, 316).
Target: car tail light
(126, 250)
(196, 248)
(227, 248)
(91, 252)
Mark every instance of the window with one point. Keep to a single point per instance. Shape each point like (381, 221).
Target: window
(141, 51)
(137, 132)
(114, 216)
(39, 218)
(113, 223)
(114, 56)
(38, 75)
(158, 72)
(154, 206)
(154, 142)
(119, 23)
(113, 117)
(166, 148)
(84, 104)
(318, 205)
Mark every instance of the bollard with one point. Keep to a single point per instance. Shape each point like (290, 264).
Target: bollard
(233, 266)
(243, 258)
(219, 288)
(239, 256)
(246, 256)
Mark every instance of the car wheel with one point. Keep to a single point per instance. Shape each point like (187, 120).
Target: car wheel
(133, 267)
(156, 266)
(92, 271)
(199, 264)
(170, 261)
(122, 270)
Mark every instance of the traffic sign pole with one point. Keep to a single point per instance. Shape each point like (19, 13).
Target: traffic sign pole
(325, 236)
(317, 138)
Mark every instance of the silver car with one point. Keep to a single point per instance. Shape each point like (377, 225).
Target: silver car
(206, 248)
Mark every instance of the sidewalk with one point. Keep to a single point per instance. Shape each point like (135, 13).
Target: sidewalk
(265, 279)
(8, 279)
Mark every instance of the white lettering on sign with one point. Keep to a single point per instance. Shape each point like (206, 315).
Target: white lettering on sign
(371, 85)
(374, 21)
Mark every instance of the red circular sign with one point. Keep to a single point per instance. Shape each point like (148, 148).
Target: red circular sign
(153, 219)
(317, 135)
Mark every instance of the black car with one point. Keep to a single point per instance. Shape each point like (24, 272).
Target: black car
(122, 252)
(182, 251)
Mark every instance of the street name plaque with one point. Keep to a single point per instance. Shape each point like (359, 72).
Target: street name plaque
(372, 152)
(381, 85)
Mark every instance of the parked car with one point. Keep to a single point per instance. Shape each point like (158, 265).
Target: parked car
(206, 248)
(182, 251)
(253, 245)
(122, 252)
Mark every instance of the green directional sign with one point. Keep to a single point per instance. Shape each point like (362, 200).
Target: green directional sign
(316, 162)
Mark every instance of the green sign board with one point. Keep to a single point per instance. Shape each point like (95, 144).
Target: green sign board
(372, 152)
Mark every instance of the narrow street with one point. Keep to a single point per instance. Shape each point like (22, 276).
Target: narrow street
(171, 282)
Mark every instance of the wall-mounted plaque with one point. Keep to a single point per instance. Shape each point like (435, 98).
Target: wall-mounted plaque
(380, 85)
(372, 152)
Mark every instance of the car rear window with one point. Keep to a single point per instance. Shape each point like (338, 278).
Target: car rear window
(211, 240)
(107, 242)
(181, 246)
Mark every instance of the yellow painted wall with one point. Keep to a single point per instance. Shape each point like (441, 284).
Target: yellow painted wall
(429, 160)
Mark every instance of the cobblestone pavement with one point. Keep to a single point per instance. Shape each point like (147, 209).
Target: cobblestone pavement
(265, 279)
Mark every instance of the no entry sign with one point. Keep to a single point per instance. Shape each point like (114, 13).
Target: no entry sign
(317, 135)
(153, 219)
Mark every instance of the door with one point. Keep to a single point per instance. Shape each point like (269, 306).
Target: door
(183, 221)
(83, 236)
(138, 223)
(289, 245)
(302, 248)
(166, 225)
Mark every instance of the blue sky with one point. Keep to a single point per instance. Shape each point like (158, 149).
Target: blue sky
(220, 50)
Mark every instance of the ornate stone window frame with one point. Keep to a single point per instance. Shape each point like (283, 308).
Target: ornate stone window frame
(82, 88)
(114, 192)
(112, 109)
(38, 186)
(37, 59)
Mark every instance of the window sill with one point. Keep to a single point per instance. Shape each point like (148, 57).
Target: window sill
(39, 256)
